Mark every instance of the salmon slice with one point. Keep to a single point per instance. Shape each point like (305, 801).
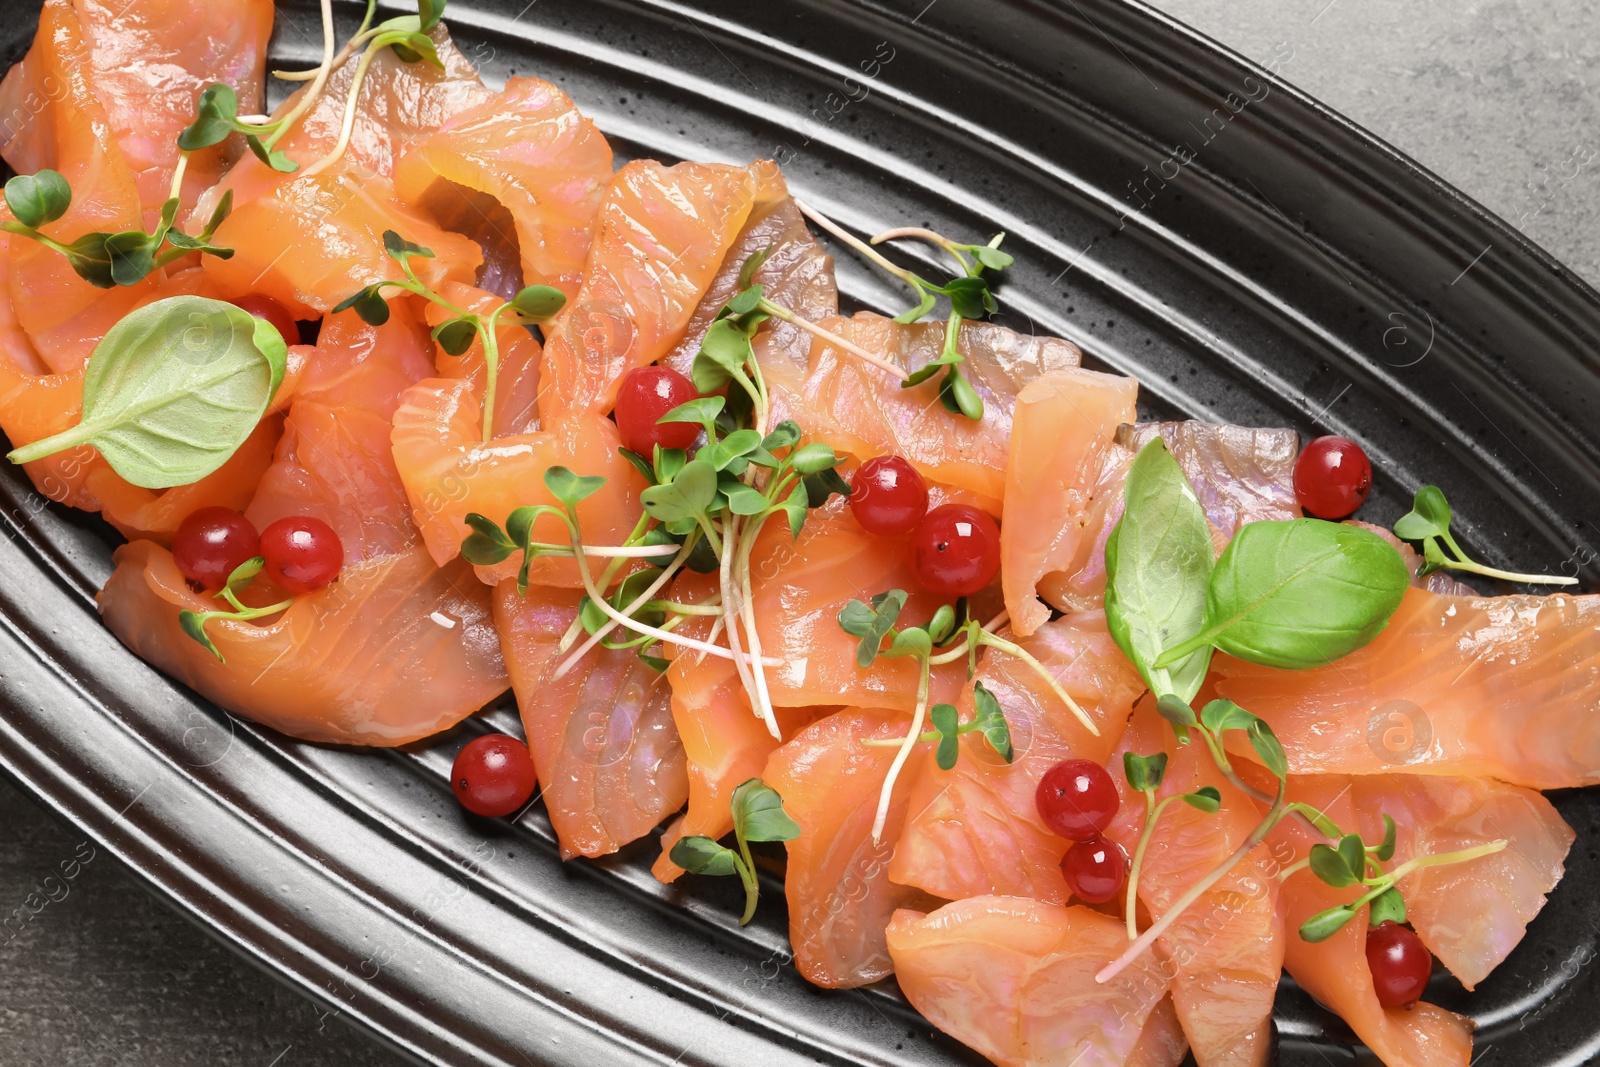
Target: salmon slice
(609, 760)
(1014, 979)
(1063, 428)
(798, 589)
(516, 406)
(531, 151)
(394, 651)
(861, 410)
(448, 473)
(1498, 687)
(150, 62)
(840, 896)
(1335, 971)
(661, 234)
(62, 315)
(974, 830)
(1225, 953)
(1161, 1042)
(1470, 915)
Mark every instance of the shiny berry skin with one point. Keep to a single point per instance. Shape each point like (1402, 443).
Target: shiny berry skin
(1332, 477)
(1400, 964)
(646, 394)
(955, 550)
(1077, 799)
(264, 307)
(302, 554)
(1095, 869)
(493, 775)
(211, 543)
(888, 496)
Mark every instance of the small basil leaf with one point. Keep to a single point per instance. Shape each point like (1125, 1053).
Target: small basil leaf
(173, 390)
(1388, 906)
(1144, 772)
(1324, 924)
(38, 199)
(758, 813)
(1207, 799)
(701, 855)
(541, 303)
(455, 336)
(570, 488)
(946, 721)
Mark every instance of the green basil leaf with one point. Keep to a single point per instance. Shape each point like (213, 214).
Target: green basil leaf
(992, 721)
(1144, 772)
(570, 488)
(194, 624)
(1429, 516)
(1301, 593)
(429, 12)
(1388, 906)
(455, 336)
(38, 199)
(758, 813)
(1158, 560)
(946, 720)
(687, 496)
(173, 390)
(701, 855)
(1324, 924)
(541, 303)
(1207, 799)
(1330, 866)
(1385, 850)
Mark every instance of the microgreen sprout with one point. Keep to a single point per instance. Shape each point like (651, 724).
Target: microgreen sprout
(1145, 774)
(1427, 525)
(535, 304)
(107, 260)
(758, 815)
(194, 622)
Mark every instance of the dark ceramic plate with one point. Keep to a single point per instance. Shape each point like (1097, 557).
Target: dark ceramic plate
(1183, 215)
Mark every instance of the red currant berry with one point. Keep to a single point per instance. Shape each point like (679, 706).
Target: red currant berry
(1400, 964)
(264, 307)
(1332, 477)
(955, 550)
(888, 496)
(211, 543)
(646, 394)
(301, 554)
(1095, 869)
(1077, 799)
(493, 775)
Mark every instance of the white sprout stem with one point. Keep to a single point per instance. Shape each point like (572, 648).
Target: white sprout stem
(1152, 813)
(177, 175)
(747, 614)
(1510, 576)
(319, 79)
(1442, 859)
(643, 598)
(886, 795)
(630, 551)
(834, 339)
(1042, 671)
(664, 636)
(852, 240)
(921, 234)
(350, 108)
(731, 608)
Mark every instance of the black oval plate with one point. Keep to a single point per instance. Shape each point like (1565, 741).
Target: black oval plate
(1186, 217)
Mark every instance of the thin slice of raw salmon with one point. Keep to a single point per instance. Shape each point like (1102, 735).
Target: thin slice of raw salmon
(660, 237)
(1162, 1042)
(1501, 687)
(1225, 952)
(975, 830)
(1014, 979)
(609, 760)
(516, 406)
(1335, 971)
(837, 884)
(1065, 424)
(393, 651)
(534, 155)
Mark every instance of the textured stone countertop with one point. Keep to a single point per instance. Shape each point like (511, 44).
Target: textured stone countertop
(1500, 98)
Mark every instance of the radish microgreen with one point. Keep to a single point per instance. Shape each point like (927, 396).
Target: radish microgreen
(758, 815)
(193, 623)
(1145, 775)
(1427, 526)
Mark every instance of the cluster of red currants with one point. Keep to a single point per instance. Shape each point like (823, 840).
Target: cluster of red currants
(299, 554)
(1077, 799)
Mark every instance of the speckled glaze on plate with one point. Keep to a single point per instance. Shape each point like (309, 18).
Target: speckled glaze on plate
(1180, 213)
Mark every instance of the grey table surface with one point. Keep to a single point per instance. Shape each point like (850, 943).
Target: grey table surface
(1500, 98)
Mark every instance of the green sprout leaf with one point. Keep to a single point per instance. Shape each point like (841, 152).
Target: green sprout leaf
(1144, 772)
(570, 488)
(429, 12)
(1429, 516)
(487, 544)
(959, 397)
(1332, 867)
(701, 855)
(38, 199)
(990, 256)
(722, 356)
(194, 624)
(686, 497)
(1384, 852)
(753, 264)
(945, 721)
(784, 435)
(640, 464)
(216, 117)
(970, 297)
(277, 160)
(795, 508)
(942, 625)
(1220, 715)
(173, 390)
(991, 722)
(702, 410)
(1324, 924)
(872, 622)
(910, 642)
(1354, 854)
(1268, 749)
(401, 249)
(758, 813)
(455, 336)
(369, 304)
(539, 303)
(1387, 906)
(1207, 799)
(823, 485)
(814, 459)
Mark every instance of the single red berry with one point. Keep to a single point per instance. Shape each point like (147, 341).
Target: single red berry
(955, 550)
(1077, 799)
(301, 554)
(211, 543)
(1095, 869)
(493, 775)
(1332, 477)
(646, 394)
(1400, 964)
(888, 496)
(264, 307)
